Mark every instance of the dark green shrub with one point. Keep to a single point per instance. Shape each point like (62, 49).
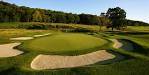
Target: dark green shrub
(37, 26)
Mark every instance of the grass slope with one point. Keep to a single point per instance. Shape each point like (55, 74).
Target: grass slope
(20, 65)
(66, 42)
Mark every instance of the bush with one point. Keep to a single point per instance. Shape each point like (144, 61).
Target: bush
(76, 30)
(37, 26)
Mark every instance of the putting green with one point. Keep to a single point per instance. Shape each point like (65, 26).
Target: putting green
(64, 42)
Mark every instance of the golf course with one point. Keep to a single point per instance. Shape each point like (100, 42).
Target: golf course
(67, 53)
(36, 41)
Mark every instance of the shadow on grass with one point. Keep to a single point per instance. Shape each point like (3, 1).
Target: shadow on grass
(136, 48)
(118, 57)
(127, 32)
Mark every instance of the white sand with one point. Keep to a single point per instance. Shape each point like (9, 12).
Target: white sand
(6, 50)
(42, 35)
(42, 62)
(116, 44)
(22, 38)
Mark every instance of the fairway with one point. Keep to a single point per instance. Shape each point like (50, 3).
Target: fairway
(64, 42)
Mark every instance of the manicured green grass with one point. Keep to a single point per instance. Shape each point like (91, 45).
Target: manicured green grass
(135, 65)
(138, 28)
(65, 42)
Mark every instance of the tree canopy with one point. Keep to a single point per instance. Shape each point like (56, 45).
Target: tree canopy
(13, 13)
(117, 16)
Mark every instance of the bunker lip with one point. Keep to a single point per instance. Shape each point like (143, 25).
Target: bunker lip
(116, 44)
(29, 38)
(7, 50)
(42, 62)
(22, 38)
(42, 35)
(123, 44)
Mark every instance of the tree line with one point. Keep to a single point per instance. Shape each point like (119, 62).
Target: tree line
(112, 18)
(13, 13)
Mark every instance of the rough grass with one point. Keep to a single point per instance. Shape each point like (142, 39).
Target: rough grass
(20, 32)
(20, 25)
(6, 34)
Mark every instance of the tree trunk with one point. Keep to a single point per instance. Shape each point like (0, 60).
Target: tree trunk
(100, 28)
(112, 28)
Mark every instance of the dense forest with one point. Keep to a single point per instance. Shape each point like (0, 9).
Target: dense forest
(13, 13)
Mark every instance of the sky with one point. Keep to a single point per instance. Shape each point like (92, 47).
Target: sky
(136, 9)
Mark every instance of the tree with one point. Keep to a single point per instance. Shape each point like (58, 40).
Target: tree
(60, 18)
(37, 16)
(53, 18)
(103, 21)
(70, 18)
(88, 19)
(77, 18)
(117, 16)
(102, 14)
(13, 13)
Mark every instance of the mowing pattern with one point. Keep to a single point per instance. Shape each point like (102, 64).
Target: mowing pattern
(6, 50)
(54, 61)
(64, 42)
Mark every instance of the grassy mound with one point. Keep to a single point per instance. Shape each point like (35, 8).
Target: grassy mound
(67, 42)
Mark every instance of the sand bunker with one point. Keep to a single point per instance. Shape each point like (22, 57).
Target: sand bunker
(123, 44)
(42, 62)
(22, 38)
(6, 50)
(116, 44)
(42, 35)
(29, 38)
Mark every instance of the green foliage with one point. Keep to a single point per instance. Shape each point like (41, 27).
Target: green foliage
(61, 18)
(37, 17)
(88, 19)
(77, 19)
(37, 26)
(70, 18)
(117, 16)
(13, 13)
(104, 21)
(51, 26)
